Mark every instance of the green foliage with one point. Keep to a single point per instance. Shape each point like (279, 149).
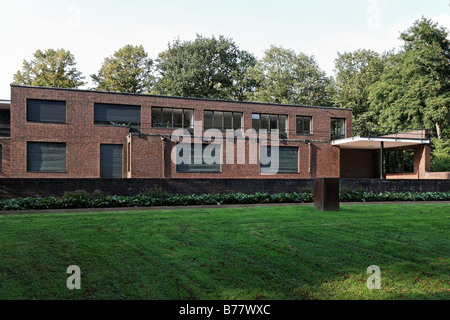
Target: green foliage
(355, 73)
(414, 91)
(128, 70)
(159, 197)
(204, 68)
(156, 192)
(289, 78)
(51, 68)
(440, 160)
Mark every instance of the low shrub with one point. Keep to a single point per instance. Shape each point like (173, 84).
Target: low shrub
(156, 192)
(80, 199)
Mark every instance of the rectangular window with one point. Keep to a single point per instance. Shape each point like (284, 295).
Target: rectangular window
(237, 120)
(222, 120)
(117, 115)
(303, 125)
(46, 111)
(46, 157)
(193, 167)
(270, 122)
(287, 160)
(399, 161)
(172, 118)
(337, 128)
(111, 158)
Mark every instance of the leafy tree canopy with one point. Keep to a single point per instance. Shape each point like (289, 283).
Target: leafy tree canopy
(50, 68)
(286, 77)
(355, 73)
(414, 91)
(206, 67)
(128, 70)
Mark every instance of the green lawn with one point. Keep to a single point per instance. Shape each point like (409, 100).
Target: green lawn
(229, 253)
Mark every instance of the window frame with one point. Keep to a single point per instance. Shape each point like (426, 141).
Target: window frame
(260, 116)
(398, 158)
(122, 161)
(340, 135)
(161, 122)
(111, 123)
(46, 171)
(303, 132)
(222, 128)
(46, 121)
(204, 145)
(282, 172)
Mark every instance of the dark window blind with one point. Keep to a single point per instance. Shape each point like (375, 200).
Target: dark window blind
(111, 161)
(193, 167)
(46, 111)
(46, 157)
(287, 160)
(112, 113)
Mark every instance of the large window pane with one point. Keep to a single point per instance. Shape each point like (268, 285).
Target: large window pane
(287, 160)
(156, 117)
(218, 120)
(227, 120)
(167, 118)
(177, 118)
(304, 125)
(111, 157)
(237, 120)
(208, 119)
(46, 111)
(337, 128)
(399, 161)
(193, 167)
(256, 121)
(265, 122)
(188, 118)
(273, 122)
(116, 114)
(283, 124)
(46, 157)
(172, 118)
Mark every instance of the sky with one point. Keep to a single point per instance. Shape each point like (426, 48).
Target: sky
(94, 29)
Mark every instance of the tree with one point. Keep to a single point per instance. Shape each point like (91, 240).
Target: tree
(205, 68)
(414, 91)
(52, 68)
(355, 73)
(128, 70)
(286, 77)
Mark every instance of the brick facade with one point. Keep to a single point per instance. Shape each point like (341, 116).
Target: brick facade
(150, 155)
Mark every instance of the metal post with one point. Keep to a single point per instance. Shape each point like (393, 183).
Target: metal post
(381, 159)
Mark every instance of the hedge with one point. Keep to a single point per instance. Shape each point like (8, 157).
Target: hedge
(83, 201)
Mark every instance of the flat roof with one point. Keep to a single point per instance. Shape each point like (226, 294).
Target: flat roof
(375, 142)
(188, 98)
(5, 104)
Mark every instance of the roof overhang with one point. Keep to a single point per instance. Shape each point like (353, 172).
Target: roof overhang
(5, 104)
(375, 142)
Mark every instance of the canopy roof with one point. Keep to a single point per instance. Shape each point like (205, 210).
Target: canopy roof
(375, 142)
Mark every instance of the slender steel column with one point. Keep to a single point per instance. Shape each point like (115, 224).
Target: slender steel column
(381, 159)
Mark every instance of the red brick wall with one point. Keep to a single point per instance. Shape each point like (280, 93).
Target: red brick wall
(5, 168)
(83, 138)
(367, 163)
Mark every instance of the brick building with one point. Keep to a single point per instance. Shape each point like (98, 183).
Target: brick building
(71, 133)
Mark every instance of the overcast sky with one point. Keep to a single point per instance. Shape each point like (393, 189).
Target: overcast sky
(94, 29)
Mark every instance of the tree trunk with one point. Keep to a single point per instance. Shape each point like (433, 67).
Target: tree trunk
(438, 131)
